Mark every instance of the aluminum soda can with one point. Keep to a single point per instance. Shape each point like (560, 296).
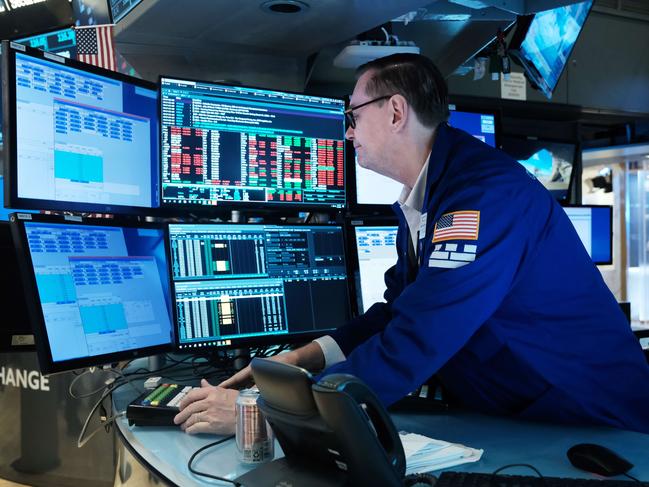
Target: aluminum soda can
(255, 440)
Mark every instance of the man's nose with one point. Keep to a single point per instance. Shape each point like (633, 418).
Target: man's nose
(349, 133)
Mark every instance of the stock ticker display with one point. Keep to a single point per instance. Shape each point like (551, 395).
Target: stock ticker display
(237, 281)
(226, 144)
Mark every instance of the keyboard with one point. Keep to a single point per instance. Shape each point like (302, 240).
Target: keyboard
(157, 407)
(466, 479)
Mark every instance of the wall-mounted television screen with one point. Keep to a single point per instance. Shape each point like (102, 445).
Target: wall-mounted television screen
(543, 42)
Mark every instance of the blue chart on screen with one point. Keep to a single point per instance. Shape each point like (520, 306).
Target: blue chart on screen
(234, 282)
(481, 126)
(376, 249)
(84, 138)
(102, 289)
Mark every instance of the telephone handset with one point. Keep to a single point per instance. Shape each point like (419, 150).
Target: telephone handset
(335, 432)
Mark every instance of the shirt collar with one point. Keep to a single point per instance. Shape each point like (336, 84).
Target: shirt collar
(414, 198)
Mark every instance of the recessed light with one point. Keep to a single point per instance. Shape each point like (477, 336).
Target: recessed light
(284, 6)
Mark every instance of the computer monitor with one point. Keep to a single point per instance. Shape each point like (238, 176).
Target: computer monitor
(98, 291)
(120, 8)
(543, 42)
(376, 252)
(6, 212)
(373, 189)
(62, 42)
(22, 18)
(243, 285)
(550, 162)
(77, 137)
(594, 227)
(243, 147)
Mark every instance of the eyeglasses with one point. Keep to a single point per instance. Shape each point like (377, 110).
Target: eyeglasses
(349, 113)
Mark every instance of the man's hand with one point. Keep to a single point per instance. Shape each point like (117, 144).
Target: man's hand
(209, 409)
(309, 356)
(243, 378)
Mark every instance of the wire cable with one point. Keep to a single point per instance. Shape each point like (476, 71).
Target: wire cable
(208, 475)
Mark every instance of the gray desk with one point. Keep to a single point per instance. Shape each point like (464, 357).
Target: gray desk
(166, 450)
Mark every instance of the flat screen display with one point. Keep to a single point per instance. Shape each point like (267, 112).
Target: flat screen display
(593, 225)
(102, 291)
(550, 162)
(376, 249)
(548, 42)
(237, 146)
(79, 138)
(257, 284)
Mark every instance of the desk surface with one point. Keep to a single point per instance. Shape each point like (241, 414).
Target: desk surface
(166, 450)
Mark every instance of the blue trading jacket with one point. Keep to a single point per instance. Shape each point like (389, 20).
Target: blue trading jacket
(527, 328)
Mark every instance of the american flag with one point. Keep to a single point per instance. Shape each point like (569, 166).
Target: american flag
(95, 46)
(458, 225)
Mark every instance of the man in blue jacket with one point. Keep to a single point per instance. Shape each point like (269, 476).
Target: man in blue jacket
(493, 291)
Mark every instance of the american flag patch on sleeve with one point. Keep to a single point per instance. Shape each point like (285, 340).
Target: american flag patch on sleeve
(457, 225)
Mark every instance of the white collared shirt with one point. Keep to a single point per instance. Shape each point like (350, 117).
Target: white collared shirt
(412, 202)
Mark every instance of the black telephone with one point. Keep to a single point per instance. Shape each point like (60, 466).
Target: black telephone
(333, 433)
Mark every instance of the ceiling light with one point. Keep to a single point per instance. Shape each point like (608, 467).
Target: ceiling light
(284, 6)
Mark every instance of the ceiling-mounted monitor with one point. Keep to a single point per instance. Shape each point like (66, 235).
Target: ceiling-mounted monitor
(237, 147)
(77, 137)
(543, 42)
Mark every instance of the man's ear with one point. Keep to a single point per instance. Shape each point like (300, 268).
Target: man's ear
(399, 111)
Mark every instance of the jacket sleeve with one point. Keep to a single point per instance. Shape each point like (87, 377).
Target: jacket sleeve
(437, 314)
(376, 318)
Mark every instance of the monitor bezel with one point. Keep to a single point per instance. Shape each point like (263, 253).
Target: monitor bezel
(352, 249)
(9, 51)
(385, 210)
(15, 337)
(531, 72)
(32, 296)
(258, 206)
(261, 340)
(610, 242)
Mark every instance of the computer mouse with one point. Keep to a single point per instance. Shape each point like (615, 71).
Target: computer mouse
(598, 459)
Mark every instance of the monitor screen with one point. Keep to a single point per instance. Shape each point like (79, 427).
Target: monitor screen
(229, 145)
(593, 225)
(547, 42)
(22, 18)
(62, 42)
(376, 249)
(550, 162)
(374, 189)
(119, 8)
(100, 291)
(77, 137)
(242, 284)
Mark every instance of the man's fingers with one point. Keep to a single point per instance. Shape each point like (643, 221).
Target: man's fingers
(242, 376)
(194, 407)
(196, 394)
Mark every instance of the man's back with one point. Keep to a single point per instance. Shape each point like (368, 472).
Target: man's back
(557, 346)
